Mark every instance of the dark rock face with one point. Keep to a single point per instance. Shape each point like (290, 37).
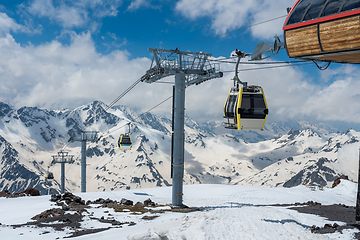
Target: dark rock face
(15, 177)
(337, 180)
(316, 174)
(126, 202)
(4, 109)
(32, 192)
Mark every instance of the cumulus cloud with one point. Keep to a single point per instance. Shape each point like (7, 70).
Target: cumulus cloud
(54, 75)
(335, 102)
(69, 14)
(136, 4)
(229, 15)
(290, 94)
(8, 24)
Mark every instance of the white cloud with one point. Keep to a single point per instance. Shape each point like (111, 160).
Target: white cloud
(337, 102)
(53, 75)
(136, 4)
(266, 10)
(8, 24)
(290, 94)
(65, 15)
(229, 15)
(78, 13)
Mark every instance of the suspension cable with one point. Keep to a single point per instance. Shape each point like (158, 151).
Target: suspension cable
(260, 68)
(259, 63)
(123, 94)
(223, 34)
(108, 133)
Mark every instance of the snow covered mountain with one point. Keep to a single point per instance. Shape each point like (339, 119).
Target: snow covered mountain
(30, 136)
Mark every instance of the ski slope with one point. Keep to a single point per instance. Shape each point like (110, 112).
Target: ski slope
(228, 212)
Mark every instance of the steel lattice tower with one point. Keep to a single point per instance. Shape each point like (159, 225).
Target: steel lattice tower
(62, 157)
(83, 137)
(189, 68)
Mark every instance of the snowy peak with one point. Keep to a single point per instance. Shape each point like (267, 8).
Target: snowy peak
(301, 134)
(15, 175)
(333, 144)
(4, 109)
(304, 157)
(315, 174)
(298, 156)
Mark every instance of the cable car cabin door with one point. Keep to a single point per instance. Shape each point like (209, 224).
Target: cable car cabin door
(230, 109)
(253, 111)
(124, 142)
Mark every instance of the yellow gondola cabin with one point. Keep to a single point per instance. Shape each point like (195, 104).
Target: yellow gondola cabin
(124, 142)
(246, 108)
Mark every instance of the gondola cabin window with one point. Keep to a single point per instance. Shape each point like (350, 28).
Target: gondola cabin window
(253, 106)
(314, 11)
(350, 5)
(332, 7)
(298, 13)
(231, 105)
(126, 140)
(306, 10)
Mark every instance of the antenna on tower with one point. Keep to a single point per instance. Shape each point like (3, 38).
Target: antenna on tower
(189, 68)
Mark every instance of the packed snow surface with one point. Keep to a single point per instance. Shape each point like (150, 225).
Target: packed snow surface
(228, 212)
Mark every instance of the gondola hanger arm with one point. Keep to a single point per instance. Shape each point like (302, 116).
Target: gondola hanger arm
(236, 78)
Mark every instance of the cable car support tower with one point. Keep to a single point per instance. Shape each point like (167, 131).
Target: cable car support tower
(189, 68)
(83, 137)
(62, 157)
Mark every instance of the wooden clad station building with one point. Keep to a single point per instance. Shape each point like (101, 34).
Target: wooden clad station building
(324, 30)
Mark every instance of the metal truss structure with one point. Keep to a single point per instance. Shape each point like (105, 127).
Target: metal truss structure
(189, 68)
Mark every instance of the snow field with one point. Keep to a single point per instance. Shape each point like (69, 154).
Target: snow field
(228, 212)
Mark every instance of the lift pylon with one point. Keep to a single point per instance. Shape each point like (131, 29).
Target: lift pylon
(189, 68)
(83, 137)
(62, 157)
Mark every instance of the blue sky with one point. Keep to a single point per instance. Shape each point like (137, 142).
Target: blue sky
(61, 54)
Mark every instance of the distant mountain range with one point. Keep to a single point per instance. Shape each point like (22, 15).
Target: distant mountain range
(284, 154)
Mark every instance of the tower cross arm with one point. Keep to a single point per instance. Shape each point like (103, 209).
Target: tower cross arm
(196, 66)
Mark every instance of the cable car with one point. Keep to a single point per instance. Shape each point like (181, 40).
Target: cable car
(49, 176)
(324, 30)
(245, 108)
(125, 141)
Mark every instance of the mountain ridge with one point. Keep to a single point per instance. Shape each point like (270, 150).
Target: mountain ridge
(299, 156)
